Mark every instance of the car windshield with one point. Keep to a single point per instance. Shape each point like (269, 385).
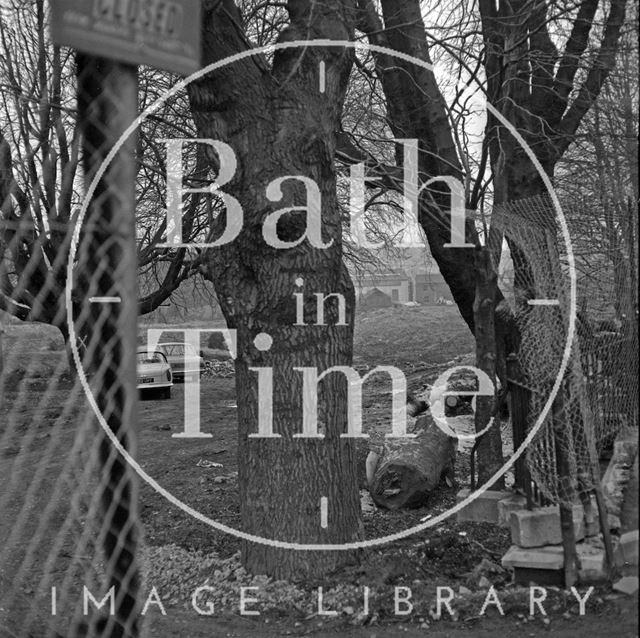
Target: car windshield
(149, 357)
(177, 349)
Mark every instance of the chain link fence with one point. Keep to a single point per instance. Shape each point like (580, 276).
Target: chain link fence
(71, 543)
(70, 531)
(82, 214)
(597, 394)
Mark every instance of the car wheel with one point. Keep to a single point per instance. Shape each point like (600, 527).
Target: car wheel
(166, 393)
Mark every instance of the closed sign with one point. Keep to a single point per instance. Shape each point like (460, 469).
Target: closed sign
(160, 33)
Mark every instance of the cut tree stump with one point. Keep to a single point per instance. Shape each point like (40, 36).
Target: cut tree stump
(409, 470)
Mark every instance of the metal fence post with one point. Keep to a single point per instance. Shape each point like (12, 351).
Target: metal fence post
(107, 96)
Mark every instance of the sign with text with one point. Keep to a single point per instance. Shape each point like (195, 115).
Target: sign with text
(160, 33)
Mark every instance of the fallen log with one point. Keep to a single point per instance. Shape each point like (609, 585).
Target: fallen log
(408, 470)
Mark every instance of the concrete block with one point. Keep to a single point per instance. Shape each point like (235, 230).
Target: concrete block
(544, 577)
(483, 509)
(513, 503)
(541, 526)
(627, 585)
(541, 564)
(626, 553)
(592, 563)
(550, 557)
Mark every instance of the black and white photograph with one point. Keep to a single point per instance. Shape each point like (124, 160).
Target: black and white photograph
(319, 318)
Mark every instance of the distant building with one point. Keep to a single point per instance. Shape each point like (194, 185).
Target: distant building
(431, 288)
(423, 287)
(416, 278)
(395, 285)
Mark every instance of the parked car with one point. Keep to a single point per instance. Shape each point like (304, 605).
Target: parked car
(185, 362)
(153, 372)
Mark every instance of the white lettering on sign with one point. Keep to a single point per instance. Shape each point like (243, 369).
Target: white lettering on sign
(160, 17)
(165, 34)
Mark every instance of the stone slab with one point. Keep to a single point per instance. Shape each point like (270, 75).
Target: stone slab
(484, 508)
(541, 526)
(513, 503)
(626, 553)
(551, 559)
(592, 563)
(543, 577)
(627, 585)
(537, 558)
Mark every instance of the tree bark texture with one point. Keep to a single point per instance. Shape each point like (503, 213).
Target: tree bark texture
(278, 124)
(489, 447)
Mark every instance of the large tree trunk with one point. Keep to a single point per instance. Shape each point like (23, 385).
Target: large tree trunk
(489, 447)
(543, 92)
(279, 125)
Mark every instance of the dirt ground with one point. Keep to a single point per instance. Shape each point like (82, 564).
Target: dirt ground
(422, 341)
(601, 626)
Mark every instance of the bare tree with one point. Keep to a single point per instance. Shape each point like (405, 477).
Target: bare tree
(541, 63)
(247, 107)
(40, 175)
(38, 167)
(597, 180)
(542, 92)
